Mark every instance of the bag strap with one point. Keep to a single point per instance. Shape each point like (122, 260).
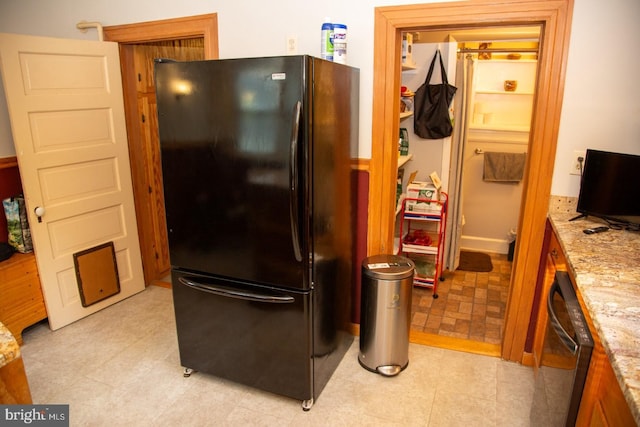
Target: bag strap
(442, 70)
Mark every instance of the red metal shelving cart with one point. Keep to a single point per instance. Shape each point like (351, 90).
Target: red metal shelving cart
(422, 234)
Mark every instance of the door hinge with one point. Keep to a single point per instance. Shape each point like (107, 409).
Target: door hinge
(150, 190)
(139, 77)
(144, 119)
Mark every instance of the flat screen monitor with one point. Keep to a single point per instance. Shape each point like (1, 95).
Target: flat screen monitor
(610, 187)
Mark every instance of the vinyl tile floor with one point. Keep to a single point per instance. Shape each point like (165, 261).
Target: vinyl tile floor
(120, 367)
(469, 305)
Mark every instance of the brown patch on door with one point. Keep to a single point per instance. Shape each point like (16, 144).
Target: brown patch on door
(97, 273)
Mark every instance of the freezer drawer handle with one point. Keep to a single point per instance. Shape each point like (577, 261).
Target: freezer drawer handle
(235, 293)
(564, 336)
(293, 182)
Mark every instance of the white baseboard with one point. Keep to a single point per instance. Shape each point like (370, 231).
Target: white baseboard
(483, 244)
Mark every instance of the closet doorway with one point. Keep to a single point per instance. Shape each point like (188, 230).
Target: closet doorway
(483, 214)
(554, 18)
(188, 38)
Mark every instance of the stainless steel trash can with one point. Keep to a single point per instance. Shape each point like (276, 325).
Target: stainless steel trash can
(385, 313)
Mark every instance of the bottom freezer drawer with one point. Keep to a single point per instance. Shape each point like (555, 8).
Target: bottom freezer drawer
(254, 335)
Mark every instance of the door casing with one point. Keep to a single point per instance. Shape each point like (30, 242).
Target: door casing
(143, 165)
(554, 17)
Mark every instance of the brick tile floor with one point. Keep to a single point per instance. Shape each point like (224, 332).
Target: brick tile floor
(469, 305)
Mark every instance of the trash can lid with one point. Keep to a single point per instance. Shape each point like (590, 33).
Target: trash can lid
(388, 267)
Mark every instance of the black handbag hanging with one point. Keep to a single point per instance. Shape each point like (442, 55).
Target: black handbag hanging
(431, 105)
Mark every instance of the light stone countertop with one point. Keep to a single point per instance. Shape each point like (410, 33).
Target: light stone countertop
(606, 267)
(9, 348)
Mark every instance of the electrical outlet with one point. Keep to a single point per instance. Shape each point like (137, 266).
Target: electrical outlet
(292, 45)
(577, 162)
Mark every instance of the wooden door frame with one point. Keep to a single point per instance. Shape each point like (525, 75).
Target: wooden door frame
(554, 17)
(204, 26)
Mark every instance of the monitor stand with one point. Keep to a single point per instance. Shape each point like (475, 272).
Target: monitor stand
(578, 217)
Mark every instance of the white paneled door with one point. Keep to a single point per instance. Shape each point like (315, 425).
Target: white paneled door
(67, 116)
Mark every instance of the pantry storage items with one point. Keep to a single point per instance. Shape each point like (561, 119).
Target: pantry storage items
(422, 231)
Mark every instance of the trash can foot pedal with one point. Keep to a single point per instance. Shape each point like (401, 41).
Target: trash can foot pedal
(389, 370)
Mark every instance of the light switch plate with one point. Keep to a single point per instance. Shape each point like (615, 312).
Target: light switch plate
(292, 45)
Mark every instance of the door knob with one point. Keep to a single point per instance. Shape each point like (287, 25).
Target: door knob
(39, 211)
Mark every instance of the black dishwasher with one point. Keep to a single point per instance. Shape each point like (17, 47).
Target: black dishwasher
(565, 358)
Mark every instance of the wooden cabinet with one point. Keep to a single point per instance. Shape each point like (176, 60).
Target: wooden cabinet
(21, 304)
(603, 402)
(14, 386)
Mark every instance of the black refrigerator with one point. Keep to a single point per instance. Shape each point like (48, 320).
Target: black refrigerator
(256, 175)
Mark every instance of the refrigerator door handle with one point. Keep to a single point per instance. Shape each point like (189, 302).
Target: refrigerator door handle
(236, 293)
(293, 183)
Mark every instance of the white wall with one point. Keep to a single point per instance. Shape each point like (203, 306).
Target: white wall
(247, 28)
(6, 138)
(594, 115)
(427, 153)
(601, 107)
